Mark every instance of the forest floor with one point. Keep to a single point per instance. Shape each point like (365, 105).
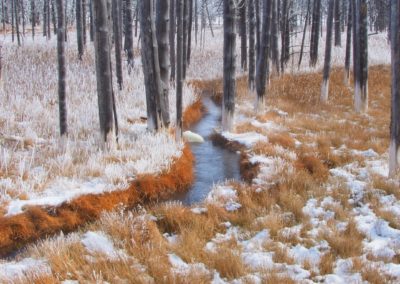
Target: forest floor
(318, 209)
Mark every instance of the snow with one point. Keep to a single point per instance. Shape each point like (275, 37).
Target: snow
(247, 139)
(182, 268)
(15, 269)
(192, 137)
(198, 210)
(224, 196)
(99, 243)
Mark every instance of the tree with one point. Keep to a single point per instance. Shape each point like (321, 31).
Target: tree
(315, 32)
(33, 17)
(228, 105)
(360, 55)
(262, 72)
(103, 71)
(179, 68)
(151, 66)
(128, 46)
(16, 16)
(252, 55)
(285, 34)
(338, 35)
(162, 28)
(274, 36)
(185, 36)
(328, 52)
(189, 29)
(117, 41)
(79, 28)
(304, 33)
(348, 44)
(62, 106)
(394, 147)
(172, 29)
(243, 34)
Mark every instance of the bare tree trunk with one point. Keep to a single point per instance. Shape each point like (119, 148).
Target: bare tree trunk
(209, 20)
(151, 66)
(91, 28)
(48, 19)
(103, 71)
(179, 68)
(228, 105)
(338, 36)
(328, 52)
(190, 25)
(62, 105)
(162, 28)
(243, 35)
(129, 33)
(23, 16)
(315, 33)
(12, 19)
(285, 35)
(3, 15)
(262, 73)
(394, 149)
(117, 41)
(274, 36)
(361, 56)
(304, 34)
(258, 27)
(252, 55)
(16, 16)
(185, 34)
(84, 22)
(348, 44)
(79, 28)
(44, 17)
(172, 29)
(196, 20)
(33, 17)
(53, 16)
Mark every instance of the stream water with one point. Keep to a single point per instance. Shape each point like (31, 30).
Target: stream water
(213, 163)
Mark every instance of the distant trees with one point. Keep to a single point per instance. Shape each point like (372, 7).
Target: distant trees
(228, 105)
(394, 149)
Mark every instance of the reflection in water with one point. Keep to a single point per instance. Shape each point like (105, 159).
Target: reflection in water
(213, 163)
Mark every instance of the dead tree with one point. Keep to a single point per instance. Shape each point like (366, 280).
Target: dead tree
(262, 72)
(128, 45)
(179, 68)
(316, 18)
(189, 31)
(33, 17)
(394, 148)
(348, 44)
(360, 55)
(185, 36)
(117, 41)
(228, 105)
(274, 36)
(62, 105)
(338, 35)
(151, 66)
(285, 34)
(103, 71)
(258, 27)
(79, 28)
(162, 28)
(172, 32)
(304, 33)
(328, 52)
(252, 51)
(243, 34)
(84, 21)
(16, 16)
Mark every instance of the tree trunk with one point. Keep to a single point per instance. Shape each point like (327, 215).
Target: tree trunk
(16, 16)
(274, 36)
(315, 33)
(48, 19)
(79, 28)
(179, 68)
(162, 28)
(252, 55)
(129, 33)
(394, 149)
(91, 27)
(285, 35)
(328, 52)
(228, 105)
(304, 34)
(338, 35)
(53, 16)
(12, 19)
(151, 66)
(361, 56)
(117, 41)
(262, 73)
(190, 24)
(172, 29)
(243, 35)
(184, 49)
(84, 22)
(103, 70)
(196, 20)
(209, 20)
(62, 105)
(348, 44)
(44, 17)
(33, 19)
(258, 27)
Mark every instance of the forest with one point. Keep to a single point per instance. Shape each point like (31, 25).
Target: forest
(199, 141)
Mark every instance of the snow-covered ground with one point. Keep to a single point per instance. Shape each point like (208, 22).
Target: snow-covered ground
(35, 168)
